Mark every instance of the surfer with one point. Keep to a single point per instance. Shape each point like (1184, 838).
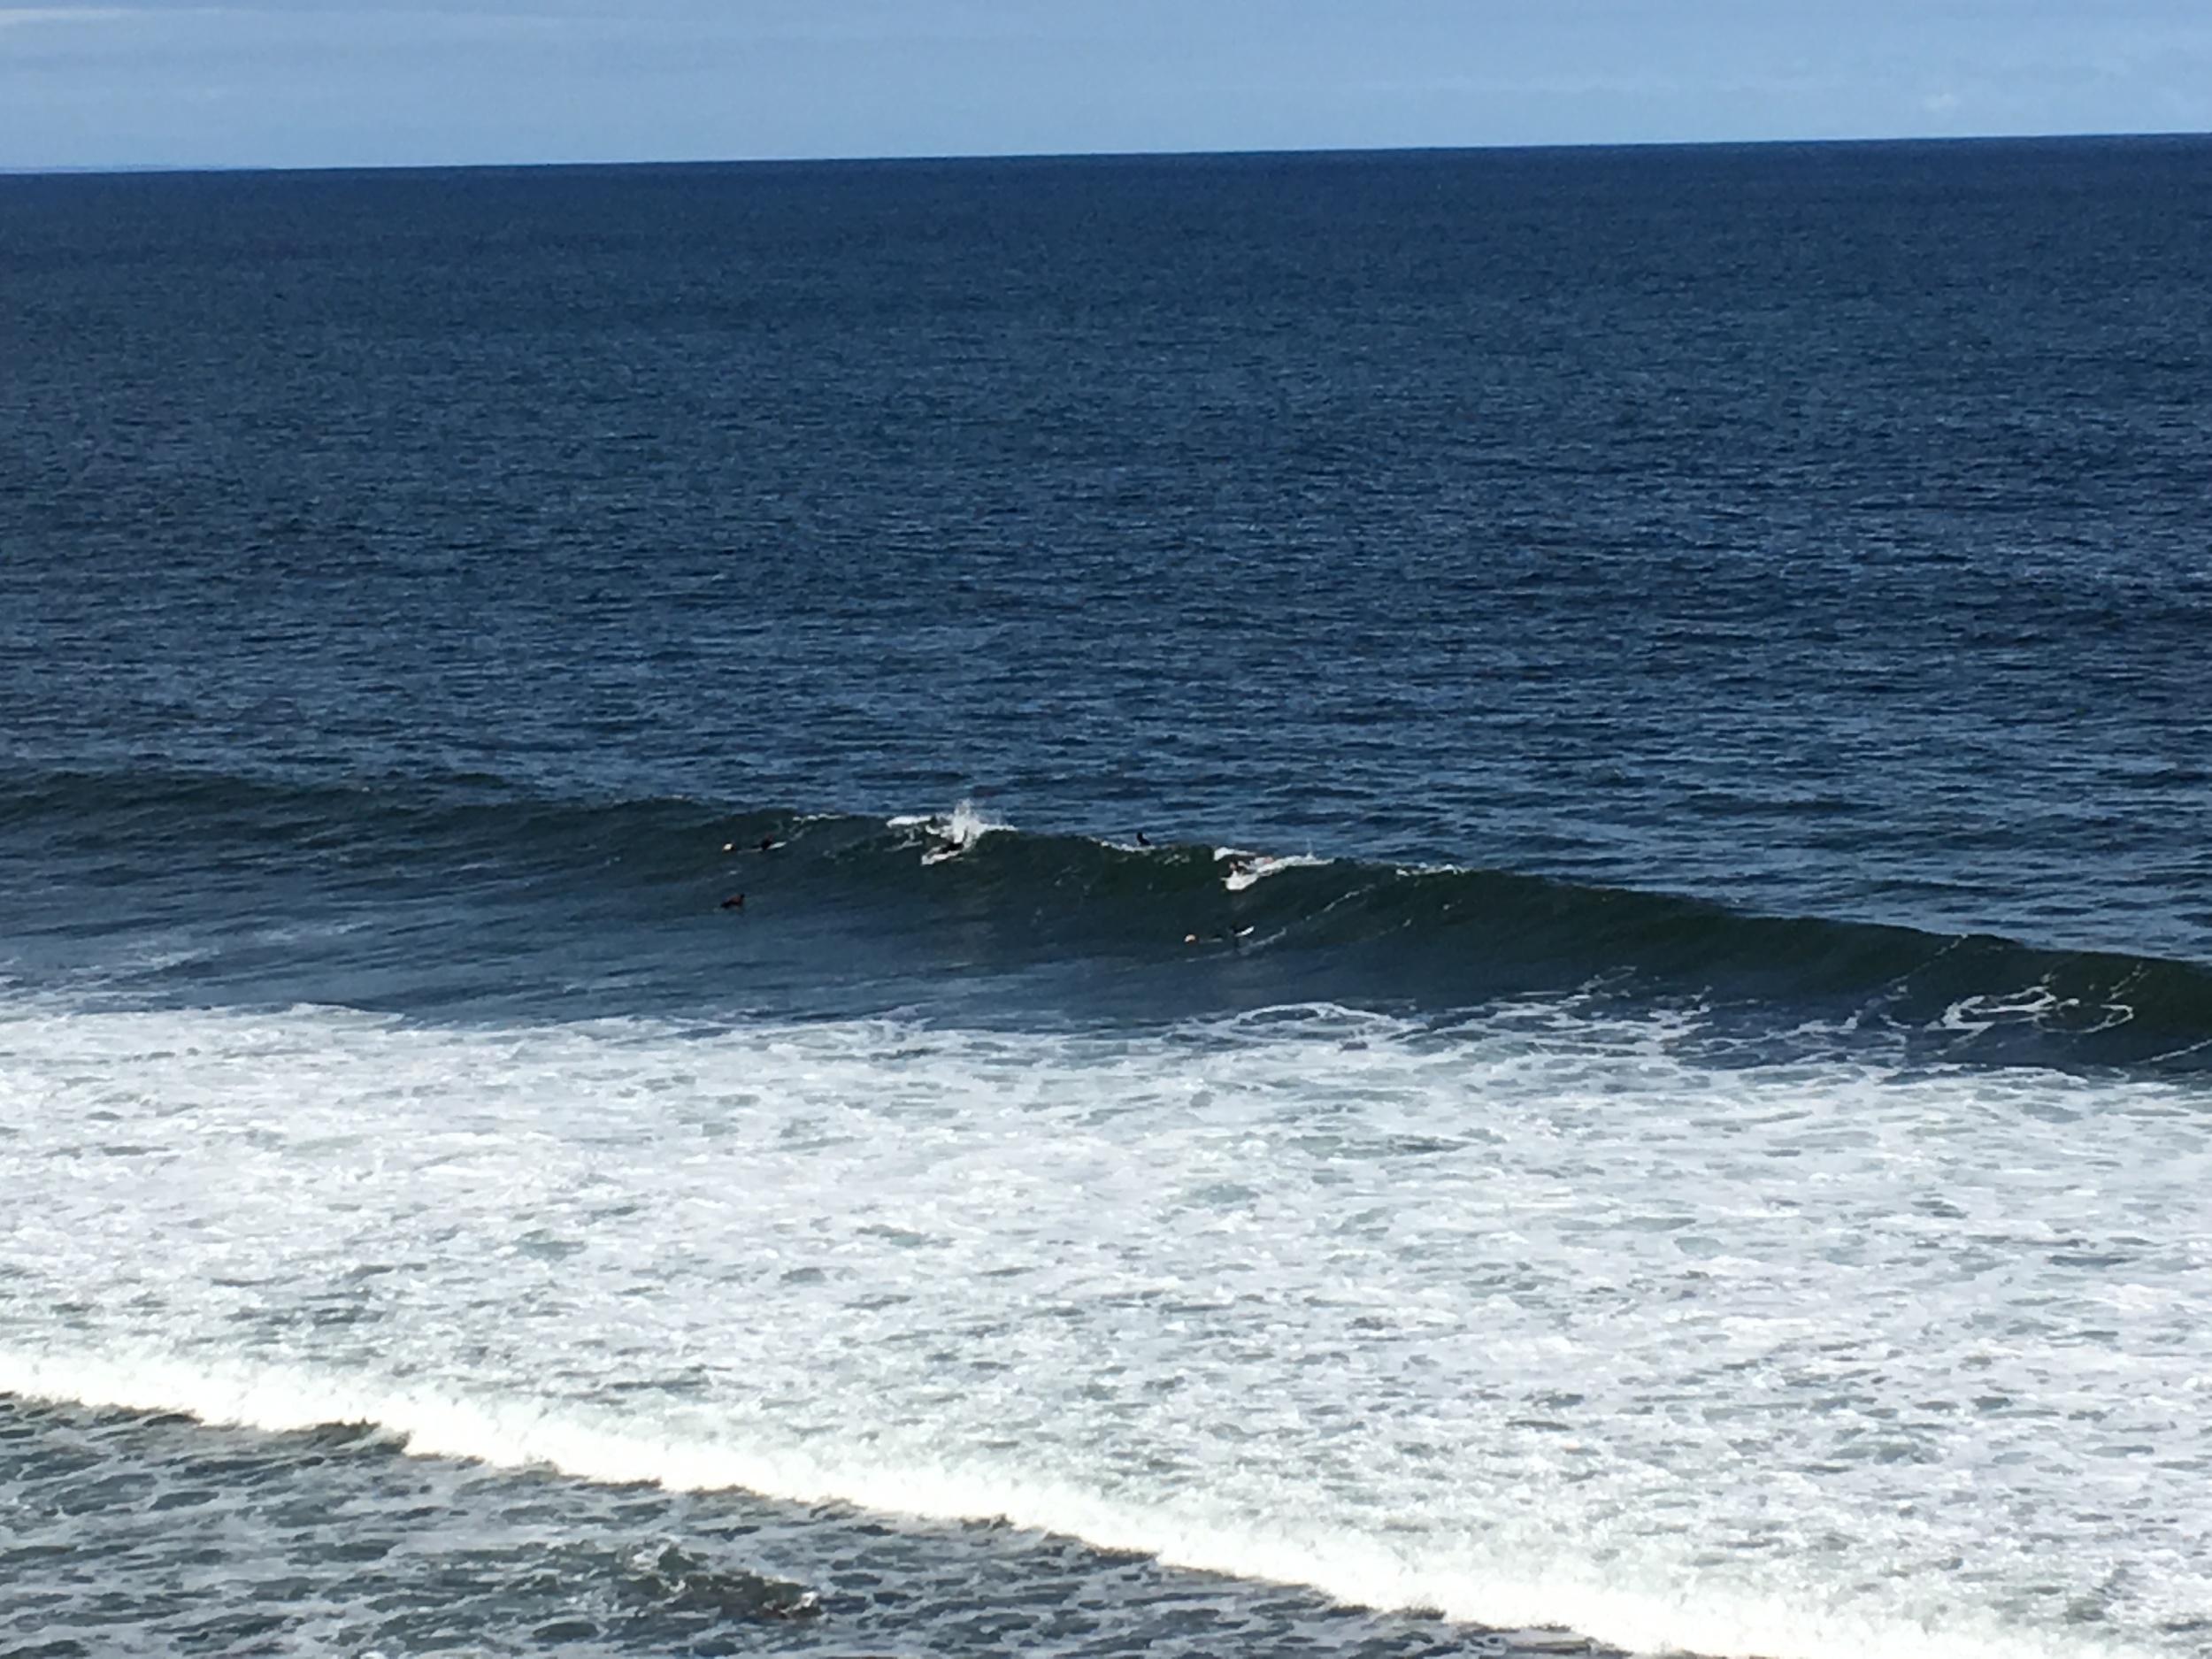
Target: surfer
(1142, 842)
(1233, 937)
(735, 902)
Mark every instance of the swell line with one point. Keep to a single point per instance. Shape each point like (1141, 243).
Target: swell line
(459, 894)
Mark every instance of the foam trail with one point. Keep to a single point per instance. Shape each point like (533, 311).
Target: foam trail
(1536, 1322)
(1356, 1571)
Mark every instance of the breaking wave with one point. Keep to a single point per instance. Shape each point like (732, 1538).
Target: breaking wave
(465, 898)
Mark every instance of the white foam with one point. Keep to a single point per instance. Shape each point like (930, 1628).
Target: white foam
(950, 834)
(1247, 868)
(1535, 1322)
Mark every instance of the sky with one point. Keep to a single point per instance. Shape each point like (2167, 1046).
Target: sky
(400, 83)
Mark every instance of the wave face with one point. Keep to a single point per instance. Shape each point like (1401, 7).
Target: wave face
(464, 901)
(1537, 1319)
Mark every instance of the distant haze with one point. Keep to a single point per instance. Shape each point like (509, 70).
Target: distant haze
(375, 82)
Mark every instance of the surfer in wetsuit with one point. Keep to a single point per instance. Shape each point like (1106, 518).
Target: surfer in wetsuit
(735, 902)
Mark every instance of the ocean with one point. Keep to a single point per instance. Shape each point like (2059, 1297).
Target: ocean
(1384, 904)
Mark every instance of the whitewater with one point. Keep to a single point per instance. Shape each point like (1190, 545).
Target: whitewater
(1533, 1318)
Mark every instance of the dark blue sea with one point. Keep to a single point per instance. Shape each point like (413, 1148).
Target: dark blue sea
(1386, 905)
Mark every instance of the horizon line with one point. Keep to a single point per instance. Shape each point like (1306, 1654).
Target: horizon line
(1258, 153)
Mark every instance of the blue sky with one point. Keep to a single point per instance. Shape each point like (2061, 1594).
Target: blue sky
(317, 82)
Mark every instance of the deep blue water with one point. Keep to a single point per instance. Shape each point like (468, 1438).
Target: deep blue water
(1747, 610)
(1820, 530)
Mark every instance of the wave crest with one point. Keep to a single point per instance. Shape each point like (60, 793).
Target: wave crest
(463, 895)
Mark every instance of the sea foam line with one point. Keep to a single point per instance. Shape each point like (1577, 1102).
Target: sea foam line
(1356, 1571)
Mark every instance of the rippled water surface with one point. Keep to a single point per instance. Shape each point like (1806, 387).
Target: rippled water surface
(331, 1541)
